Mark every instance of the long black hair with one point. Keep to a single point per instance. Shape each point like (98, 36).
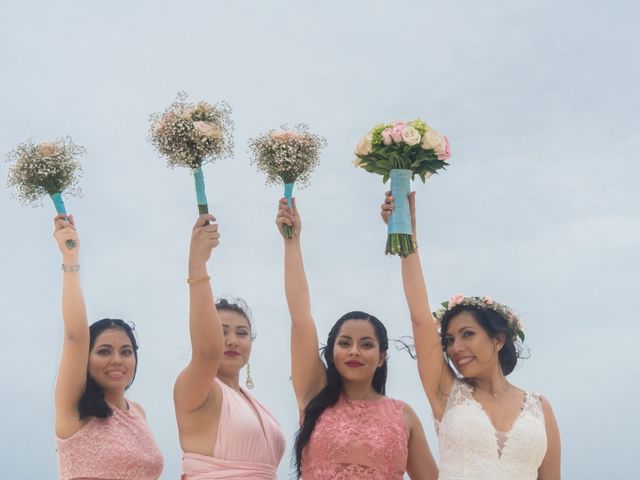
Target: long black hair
(92, 402)
(330, 394)
(496, 327)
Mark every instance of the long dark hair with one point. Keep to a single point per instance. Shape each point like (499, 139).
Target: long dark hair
(495, 325)
(92, 402)
(330, 394)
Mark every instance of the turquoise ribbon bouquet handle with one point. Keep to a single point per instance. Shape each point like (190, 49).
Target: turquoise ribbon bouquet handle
(58, 202)
(400, 238)
(201, 196)
(288, 231)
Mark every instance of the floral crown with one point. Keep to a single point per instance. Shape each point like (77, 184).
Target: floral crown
(486, 303)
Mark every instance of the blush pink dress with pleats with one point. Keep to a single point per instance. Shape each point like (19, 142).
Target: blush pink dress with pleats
(247, 447)
(357, 439)
(118, 447)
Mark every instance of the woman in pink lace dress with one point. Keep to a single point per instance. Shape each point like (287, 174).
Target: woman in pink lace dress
(99, 433)
(224, 431)
(488, 429)
(349, 428)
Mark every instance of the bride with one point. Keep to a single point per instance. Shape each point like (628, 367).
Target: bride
(488, 429)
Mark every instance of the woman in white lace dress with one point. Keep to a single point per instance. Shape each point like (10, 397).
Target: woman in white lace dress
(488, 429)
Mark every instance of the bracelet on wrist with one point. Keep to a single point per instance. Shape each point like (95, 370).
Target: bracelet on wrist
(195, 281)
(71, 268)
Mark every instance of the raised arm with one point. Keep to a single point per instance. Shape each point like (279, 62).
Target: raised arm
(72, 375)
(207, 340)
(550, 468)
(436, 377)
(307, 370)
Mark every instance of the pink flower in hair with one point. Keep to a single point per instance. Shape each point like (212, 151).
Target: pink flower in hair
(456, 300)
(488, 300)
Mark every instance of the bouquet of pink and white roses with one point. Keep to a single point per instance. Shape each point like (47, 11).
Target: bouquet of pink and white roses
(287, 156)
(399, 151)
(47, 168)
(190, 135)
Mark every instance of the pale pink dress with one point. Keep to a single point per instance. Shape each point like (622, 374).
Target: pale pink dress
(356, 439)
(118, 447)
(246, 447)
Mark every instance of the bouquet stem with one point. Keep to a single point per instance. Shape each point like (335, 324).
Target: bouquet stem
(58, 202)
(400, 238)
(201, 196)
(287, 230)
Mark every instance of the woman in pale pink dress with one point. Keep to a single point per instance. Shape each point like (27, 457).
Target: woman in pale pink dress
(99, 433)
(349, 428)
(224, 431)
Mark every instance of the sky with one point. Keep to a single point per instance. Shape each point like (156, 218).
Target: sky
(539, 207)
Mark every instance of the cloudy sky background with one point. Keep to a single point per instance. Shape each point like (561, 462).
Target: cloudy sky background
(539, 208)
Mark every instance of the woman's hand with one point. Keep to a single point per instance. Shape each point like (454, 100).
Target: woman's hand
(204, 238)
(288, 216)
(66, 235)
(389, 205)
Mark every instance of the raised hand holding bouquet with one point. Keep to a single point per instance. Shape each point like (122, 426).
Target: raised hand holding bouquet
(399, 151)
(190, 135)
(287, 156)
(47, 168)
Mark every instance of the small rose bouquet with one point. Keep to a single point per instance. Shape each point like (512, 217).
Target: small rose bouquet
(399, 151)
(190, 135)
(47, 168)
(287, 156)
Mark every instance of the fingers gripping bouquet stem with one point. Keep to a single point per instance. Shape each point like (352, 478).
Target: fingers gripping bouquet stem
(190, 135)
(399, 151)
(287, 156)
(47, 168)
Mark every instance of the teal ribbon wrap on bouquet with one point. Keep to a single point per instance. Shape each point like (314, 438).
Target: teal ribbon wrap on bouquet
(201, 196)
(288, 231)
(58, 202)
(400, 238)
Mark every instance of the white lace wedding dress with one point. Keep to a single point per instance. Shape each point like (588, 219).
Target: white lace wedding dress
(472, 449)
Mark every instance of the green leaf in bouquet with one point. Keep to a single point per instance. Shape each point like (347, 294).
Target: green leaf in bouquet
(385, 178)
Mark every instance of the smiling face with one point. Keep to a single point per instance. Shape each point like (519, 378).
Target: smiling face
(356, 352)
(237, 342)
(473, 352)
(112, 361)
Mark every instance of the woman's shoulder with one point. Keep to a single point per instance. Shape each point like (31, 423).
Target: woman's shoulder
(137, 408)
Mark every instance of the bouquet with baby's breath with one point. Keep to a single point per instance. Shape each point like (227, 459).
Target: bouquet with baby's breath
(47, 168)
(190, 135)
(399, 151)
(287, 156)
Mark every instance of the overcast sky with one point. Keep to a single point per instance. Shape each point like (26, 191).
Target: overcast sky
(539, 209)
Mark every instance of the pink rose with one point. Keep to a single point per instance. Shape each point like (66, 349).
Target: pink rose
(446, 154)
(396, 132)
(208, 130)
(48, 149)
(386, 136)
(488, 300)
(456, 300)
(283, 136)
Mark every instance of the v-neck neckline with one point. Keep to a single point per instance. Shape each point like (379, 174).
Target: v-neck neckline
(496, 432)
(254, 409)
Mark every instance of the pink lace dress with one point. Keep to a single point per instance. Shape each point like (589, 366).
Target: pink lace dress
(356, 439)
(118, 447)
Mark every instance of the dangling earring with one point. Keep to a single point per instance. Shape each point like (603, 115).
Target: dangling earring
(249, 381)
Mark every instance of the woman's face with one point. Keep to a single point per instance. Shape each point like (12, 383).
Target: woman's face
(356, 352)
(470, 347)
(237, 342)
(112, 362)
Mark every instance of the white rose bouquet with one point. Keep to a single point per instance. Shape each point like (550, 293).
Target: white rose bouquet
(399, 151)
(287, 156)
(47, 168)
(190, 135)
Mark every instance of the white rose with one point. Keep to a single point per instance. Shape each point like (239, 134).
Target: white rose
(208, 130)
(364, 145)
(432, 140)
(410, 135)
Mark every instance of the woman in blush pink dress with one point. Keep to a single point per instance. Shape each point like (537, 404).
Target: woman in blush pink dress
(225, 432)
(349, 429)
(99, 433)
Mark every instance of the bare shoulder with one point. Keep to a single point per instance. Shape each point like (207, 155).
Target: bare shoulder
(410, 417)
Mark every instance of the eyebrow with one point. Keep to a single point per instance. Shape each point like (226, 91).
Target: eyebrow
(239, 326)
(111, 346)
(362, 338)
